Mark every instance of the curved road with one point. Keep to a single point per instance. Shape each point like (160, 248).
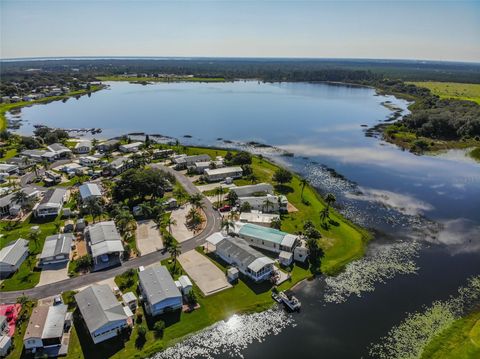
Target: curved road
(213, 225)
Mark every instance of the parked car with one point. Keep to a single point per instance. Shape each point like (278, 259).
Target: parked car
(225, 208)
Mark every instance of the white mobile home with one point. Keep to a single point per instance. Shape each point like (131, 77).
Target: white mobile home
(219, 174)
(56, 249)
(12, 256)
(104, 244)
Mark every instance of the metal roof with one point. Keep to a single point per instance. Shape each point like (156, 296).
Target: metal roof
(222, 170)
(239, 250)
(246, 191)
(99, 306)
(53, 198)
(157, 284)
(12, 253)
(261, 233)
(185, 281)
(104, 238)
(55, 321)
(57, 244)
(88, 190)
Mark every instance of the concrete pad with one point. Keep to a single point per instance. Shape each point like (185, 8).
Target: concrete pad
(208, 277)
(180, 230)
(148, 237)
(210, 186)
(53, 273)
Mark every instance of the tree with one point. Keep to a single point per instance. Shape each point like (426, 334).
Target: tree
(21, 198)
(125, 221)
(324, 215)
(147, 141)
(314, 249)
(267, 204)
(93, 206)
(240, 158)
(282, 176)
(330, 199)
(232, 198)
(174, 251)
(227, 225)
(252, 178)
(34, 236)
(159, 327)
(169, 222)
(196, 200)
(146, 209)
(276, 223)
(35, 169)
(219, 193)
(303, 182)
(245, 207)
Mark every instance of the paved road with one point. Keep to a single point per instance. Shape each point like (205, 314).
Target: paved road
(213, 225)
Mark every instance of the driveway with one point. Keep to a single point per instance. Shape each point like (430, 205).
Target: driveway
(53, 273)
(148, 237)
(208, 277)
(210, 186)
(179, 229)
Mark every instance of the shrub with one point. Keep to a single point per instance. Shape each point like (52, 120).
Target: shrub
(159, 327)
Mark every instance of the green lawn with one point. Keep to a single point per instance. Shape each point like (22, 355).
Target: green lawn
(475, 153)
(461, 91)
(459, 341)
(26, 276)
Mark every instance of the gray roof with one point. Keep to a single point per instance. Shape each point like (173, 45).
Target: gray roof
(55, 321)
(9, 198)
(104, 238)
(57, 244)
(239, 250)
(83, 143)
(223, 170)
(88, 190)
(33, 153)
(157, 284)
(12, 253)
(245, 191)
(58, 147)
(192, 159)
(99, 306)
(53, 197)
(118, 162)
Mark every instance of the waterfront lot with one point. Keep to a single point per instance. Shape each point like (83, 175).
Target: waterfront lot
(204, 273)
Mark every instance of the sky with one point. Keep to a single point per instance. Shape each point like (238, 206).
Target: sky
(422, 30)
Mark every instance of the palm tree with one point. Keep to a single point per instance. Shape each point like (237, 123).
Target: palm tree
(35, 169)
(146, 209)
(228, 225)
(20, 198)
(34, 236)
(196, 200)
(174, 251)
(252, 178)
(303, 182)
(169, 222)
(330, 199)
(180, 194)
(45, 165)
(125, 221)
(266, 204)
(93, 207)
(324, 215)
(219, 193)
(276, 223)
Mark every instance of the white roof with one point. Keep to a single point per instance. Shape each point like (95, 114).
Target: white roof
(128, 311)
(259, 263)
(285, 255)
(185, 281)
(104, 238)
(88, 190)
(257, 217)
(132, 145)
(248, 190)
(129, 297)
(12, 253)
(223, 170)
(215, 238)
(289, 240)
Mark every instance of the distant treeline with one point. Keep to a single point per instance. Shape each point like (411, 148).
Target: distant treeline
(263, 69)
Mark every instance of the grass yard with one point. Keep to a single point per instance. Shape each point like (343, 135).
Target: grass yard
(461, 91)
(26, 276)
(475, 154)
(460, 341)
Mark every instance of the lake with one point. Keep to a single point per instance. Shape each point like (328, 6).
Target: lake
(430, 200)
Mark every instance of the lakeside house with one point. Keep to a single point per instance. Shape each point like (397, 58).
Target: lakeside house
(12, 256)
(268, 204)
(56, 249)
(34, 155)
(109, 145)
(51, 203)
(104, 243)
(158, 154)
(103, 315)
(47, 333)
(200, 167)
(89, 160)
(183, 161)
(253, 190)
(89, 190)
(83, 146)
(60, 150)
(261, 219)
(130, 147)
(273, 240)
(237, 252)
(219, 174)
(159, 291)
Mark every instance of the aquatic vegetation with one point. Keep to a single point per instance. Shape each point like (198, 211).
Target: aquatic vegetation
(409, 338)
(381, 263)
(230, 337)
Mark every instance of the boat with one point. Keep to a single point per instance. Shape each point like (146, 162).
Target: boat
(276, 297)
(290, 300)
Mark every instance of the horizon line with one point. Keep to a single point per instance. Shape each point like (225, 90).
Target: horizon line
(59, 58)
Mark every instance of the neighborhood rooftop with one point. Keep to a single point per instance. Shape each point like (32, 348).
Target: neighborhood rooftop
(158, 284)
(57, 244)
(99, 306)
(12, 253)
(104, 238)
(266, 234)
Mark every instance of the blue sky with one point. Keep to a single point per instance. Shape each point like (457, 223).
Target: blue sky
(435, 30)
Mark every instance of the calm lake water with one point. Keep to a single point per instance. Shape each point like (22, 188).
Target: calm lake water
(432, 200)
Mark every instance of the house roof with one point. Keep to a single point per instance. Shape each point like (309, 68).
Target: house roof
(89, 189)
(99, 306)
(104, 238)
(157, 284)
(12, 253)
(58, 147)
(241, 252)
(245, 191)
(266, 234)
(215, 238)
(55, 321)
(53, 198)
(83, 143)
(36, 323)
(258, 217)
(222, 170)
(192, 159)
(57, 244)
(185, 281)
(132, 145)
(129, 297)
(259, 201)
